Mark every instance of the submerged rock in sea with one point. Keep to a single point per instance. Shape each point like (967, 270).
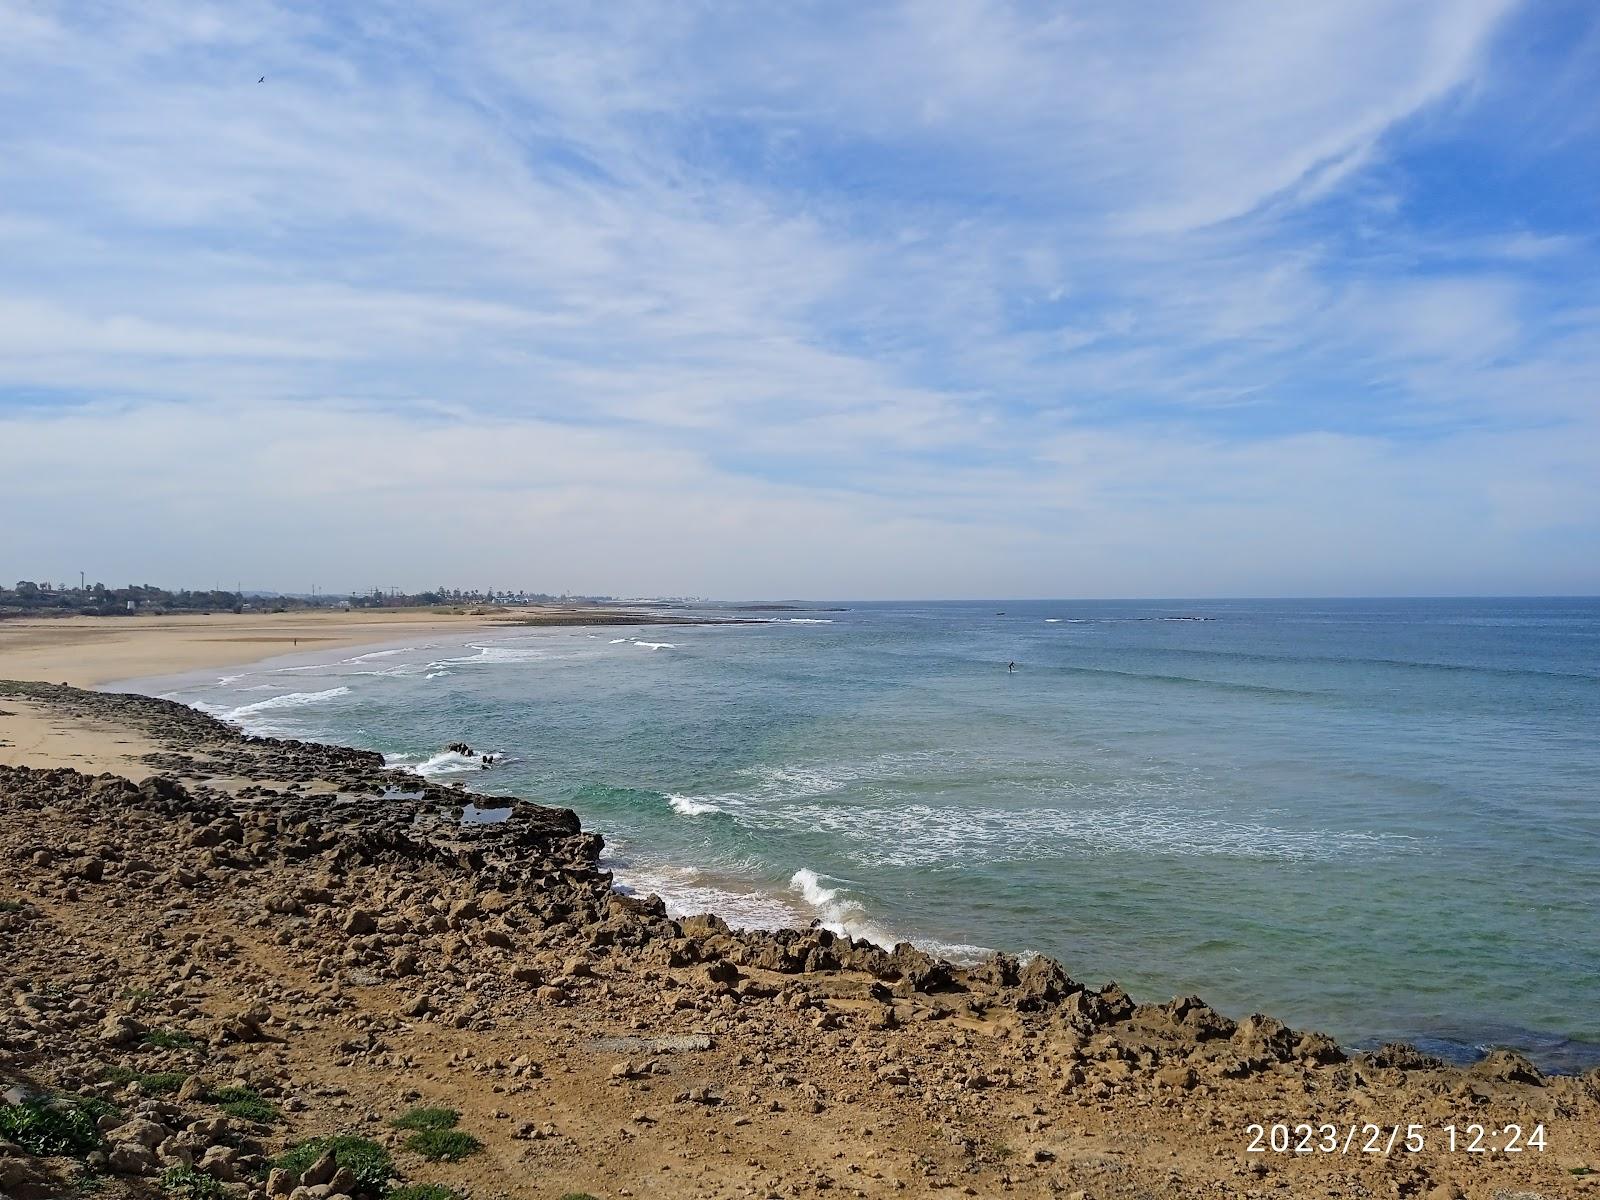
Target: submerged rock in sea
(1401, 1056)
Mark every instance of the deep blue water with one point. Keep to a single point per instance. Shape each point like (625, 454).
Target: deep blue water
(1377, 817)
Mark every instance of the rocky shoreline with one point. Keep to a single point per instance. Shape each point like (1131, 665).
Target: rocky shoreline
(325, 940)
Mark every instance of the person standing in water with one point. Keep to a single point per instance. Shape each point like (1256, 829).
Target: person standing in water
(1010, 667)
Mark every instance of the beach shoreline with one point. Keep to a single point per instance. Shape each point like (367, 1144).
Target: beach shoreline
(183, 648)
(97, 651)
(921, 1075)
(647, 1045)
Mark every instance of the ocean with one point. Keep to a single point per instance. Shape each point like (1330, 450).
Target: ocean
(1378, 818)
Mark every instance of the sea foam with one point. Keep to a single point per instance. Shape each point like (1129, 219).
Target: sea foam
(290, 700)
(690, 806)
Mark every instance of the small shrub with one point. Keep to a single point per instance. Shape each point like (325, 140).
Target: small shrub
(151, 1083)
(169, 1039)
(577, 1196)
(424, 1191)
(367, 1161)
(190, 1184)
(11, 906)
(443, 1145)
(427, 1118)
(245, 1103)
(137, 995)
(62, 1125)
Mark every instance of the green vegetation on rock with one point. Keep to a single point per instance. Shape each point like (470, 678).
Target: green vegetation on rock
(364, 1158)
(443, 1145)
(189, 1184)
(424, 1191)
(152, 1083)
(245, 1103)
(169, 1039)
(427, 1118)
(57, 1125)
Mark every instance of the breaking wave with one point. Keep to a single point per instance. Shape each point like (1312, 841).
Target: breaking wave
(290, 700)
(689, 806)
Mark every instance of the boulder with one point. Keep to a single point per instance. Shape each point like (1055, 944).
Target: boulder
(320, 1172)
(130, 1158)
(138, 1132)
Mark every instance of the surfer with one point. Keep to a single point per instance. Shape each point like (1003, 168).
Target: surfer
(1010, 667)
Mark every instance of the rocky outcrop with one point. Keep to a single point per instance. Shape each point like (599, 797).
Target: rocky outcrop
(401, 926)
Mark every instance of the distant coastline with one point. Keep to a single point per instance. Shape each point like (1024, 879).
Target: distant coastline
(90, 651)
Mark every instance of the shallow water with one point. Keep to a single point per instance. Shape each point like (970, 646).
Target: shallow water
(1378, 818)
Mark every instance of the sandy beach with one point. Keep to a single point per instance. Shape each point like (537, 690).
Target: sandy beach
(93, 651)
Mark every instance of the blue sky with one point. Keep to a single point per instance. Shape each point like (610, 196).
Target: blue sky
(804, 299)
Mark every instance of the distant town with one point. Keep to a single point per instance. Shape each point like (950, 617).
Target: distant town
(28, 598)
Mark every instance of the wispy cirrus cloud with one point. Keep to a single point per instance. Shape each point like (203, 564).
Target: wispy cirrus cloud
(860, 300)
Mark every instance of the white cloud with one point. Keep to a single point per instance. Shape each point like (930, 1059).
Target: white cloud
(878, 299)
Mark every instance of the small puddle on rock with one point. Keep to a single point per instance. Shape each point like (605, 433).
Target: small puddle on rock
(473, 814)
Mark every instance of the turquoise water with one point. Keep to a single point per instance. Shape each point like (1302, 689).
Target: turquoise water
(1378, 818)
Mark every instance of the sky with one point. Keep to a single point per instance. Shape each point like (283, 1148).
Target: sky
(757, 299)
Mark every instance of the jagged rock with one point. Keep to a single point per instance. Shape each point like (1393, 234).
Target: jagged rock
(1402, 1056)
(1507, 1066)
(919, 971)
(1318, 1048)
(1193, 1018)
(703, 925)
(1042, 983)
(1118, 1005)
(1264, 1037)
(998, 971)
